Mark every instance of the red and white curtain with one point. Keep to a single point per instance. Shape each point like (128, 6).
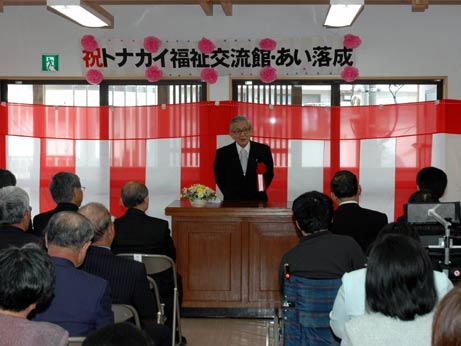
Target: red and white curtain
(170, 147)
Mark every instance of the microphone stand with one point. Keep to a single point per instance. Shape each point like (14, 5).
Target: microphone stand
(446, 239)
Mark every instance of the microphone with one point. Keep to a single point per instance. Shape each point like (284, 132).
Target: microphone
(432, 212)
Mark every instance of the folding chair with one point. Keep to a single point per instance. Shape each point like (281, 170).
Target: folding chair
(76, 340)
(156, 264)
(124, 312)
(306, 306)
(160, 305)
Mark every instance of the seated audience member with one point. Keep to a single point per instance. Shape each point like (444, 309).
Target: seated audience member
(400, 296)
(81, 301)
(118, 334)
(137, 232)
(320, 254)
(446, 326)
(420, 196)
(7, 178)
(350, 218)
(67, 192)
(28, 279)
(127, 278)
(432, 179)
(15, 218)
(350, 300)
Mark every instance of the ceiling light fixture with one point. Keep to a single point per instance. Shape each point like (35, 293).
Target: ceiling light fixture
(82, 13)
(343, 12)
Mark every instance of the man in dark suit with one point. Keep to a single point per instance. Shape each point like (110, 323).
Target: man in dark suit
(15, 218)
(67, 192)
(350, 218)
(127, 278)
(244, 169)
(81, 301)
(136, 232)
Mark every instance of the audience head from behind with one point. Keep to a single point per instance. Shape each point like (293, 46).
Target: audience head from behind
(423, 196)
(344, 186)
(135, 195)
(312, 212)
(15, 207)
(446, 326)
(7, 178)
(68, 235)
(118, 334)
(65, 187)
(432, 179)
(28, 279)
(401, 228)
(101, 220)
(399, 280)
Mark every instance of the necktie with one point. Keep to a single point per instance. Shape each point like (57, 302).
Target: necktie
(244, 160)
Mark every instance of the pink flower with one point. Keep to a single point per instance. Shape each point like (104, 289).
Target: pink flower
(153, 73)
(152, 44)
(94, 76)
(349, 73)
(209, 75)
(351, 41)
(268, 74)
(206, 46)
(267, 44)
(89, 43)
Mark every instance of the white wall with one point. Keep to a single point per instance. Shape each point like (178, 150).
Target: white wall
(396, 41)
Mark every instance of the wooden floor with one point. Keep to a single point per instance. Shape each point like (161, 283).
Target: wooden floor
(225, 331)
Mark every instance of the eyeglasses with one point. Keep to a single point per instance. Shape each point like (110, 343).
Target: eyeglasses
(238, 132)
(83, 188)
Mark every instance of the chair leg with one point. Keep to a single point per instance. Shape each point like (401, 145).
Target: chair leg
(173, 325)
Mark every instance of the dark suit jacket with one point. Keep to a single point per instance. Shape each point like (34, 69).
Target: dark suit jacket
(127, 279)
(13, 236)
(229, 175)
(81, 301)
(361, 224)
(41, 220)
(136, 232)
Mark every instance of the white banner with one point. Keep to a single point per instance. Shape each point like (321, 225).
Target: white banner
(322, 55)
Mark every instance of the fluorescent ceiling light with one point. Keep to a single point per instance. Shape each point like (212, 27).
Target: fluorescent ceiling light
(343, 12)
(82, 13)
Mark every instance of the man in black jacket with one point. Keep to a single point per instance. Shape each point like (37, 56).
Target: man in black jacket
(127, 278)
(244, 169)
(350, 218)
(67, 192)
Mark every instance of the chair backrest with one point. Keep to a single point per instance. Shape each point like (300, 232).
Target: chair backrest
(76, 340)
(154, 263)
(124, 312)
(307, 305)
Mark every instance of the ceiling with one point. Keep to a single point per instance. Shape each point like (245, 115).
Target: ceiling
(207, 5)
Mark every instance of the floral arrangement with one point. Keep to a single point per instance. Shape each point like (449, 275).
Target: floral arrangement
(206, 46)
(267, 44)
(153, 73)
(152, 44)
(351, 41)
(268, 74)
(94, 76)
(209, 75)
(349, 74)
(198, 191)
(89, 43)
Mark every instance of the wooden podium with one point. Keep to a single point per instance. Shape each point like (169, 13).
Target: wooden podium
(229, 254)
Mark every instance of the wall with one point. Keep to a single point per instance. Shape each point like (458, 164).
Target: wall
(396, 41)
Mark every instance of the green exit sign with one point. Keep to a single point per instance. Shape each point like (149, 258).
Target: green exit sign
(50, 62)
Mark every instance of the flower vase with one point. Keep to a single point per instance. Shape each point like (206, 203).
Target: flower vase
(199, 203)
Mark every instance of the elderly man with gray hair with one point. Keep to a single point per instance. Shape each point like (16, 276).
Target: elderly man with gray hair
(15, 218)
(67, 192)
(82, 301)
